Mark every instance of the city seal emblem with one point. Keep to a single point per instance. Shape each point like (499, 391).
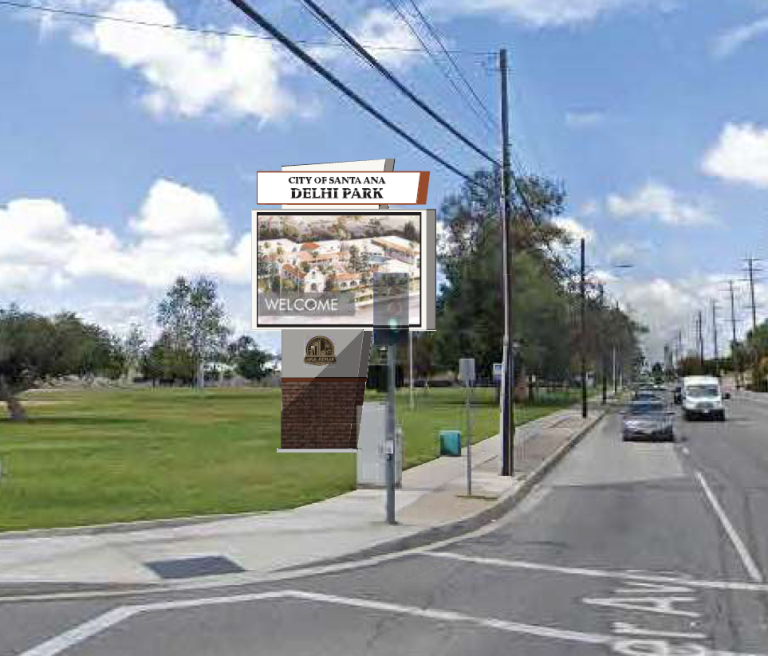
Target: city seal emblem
(320, 351)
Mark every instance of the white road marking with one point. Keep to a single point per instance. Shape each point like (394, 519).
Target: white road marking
(598, 573)
(749, 564)
(627, 628)
(685, 450)
(81, 633)
(660, 605)
(88, 629)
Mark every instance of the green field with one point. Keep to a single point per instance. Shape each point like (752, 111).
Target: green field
(91, 457)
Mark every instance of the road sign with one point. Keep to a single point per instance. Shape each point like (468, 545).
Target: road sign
(497, 372)
(467, 370)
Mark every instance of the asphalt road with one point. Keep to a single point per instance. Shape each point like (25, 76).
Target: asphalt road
(624, 549)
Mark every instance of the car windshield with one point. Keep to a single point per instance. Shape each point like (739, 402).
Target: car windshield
(645, 408)
(708, 391)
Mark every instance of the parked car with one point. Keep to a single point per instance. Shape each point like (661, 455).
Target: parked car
(677, 395)
(647, 419)
(702, 397)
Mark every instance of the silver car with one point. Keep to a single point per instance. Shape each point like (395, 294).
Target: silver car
(647, 419)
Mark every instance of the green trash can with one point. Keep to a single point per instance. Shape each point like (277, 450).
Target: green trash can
(450, 443)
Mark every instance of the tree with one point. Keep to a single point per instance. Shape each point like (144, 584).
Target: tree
(133, 349)
(249, 360)
(410, 232)
(358, 261)
(194, 320)
(470, 320)
(34, 348)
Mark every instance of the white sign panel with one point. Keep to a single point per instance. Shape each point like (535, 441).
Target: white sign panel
(337, 188)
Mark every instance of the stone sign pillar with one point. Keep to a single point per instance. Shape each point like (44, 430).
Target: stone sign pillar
(323, 388)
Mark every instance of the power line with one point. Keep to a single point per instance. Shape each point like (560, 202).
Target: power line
(332, 25)
(458, 70)
(276, 35)
(262, 22)
(71, 13)
(434, 58)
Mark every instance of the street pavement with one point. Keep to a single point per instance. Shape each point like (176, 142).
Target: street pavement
(624, 548)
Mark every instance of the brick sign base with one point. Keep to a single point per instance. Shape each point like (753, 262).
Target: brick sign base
(321, 413)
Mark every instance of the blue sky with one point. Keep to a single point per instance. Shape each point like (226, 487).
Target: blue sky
(129, 153)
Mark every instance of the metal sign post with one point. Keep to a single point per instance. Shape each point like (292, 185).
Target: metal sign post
(467, 376)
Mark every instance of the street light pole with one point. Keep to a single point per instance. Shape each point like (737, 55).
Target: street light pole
(391, 447)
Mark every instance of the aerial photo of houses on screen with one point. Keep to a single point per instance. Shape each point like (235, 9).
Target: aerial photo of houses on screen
(338, 254)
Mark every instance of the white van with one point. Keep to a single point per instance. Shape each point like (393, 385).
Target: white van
(702, 397)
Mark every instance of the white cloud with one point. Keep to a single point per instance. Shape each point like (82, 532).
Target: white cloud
(658, 201)
(731, 40)
(382, 32)
(178, 231)
(383, 29)
(740, 155)
(584, 119)
(544, 13)
(574, 229)
(626, 252)
(190, 74)
(666, 306)
(590, 208)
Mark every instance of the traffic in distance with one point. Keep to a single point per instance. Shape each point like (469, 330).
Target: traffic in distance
(649, 415)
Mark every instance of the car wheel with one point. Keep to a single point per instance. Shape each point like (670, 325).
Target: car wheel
(721, 416)
(687, 415)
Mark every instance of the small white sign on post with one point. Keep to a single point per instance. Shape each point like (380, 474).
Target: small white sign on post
(467, 370)
(497, 370)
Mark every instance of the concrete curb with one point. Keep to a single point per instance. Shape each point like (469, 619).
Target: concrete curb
(469, 524)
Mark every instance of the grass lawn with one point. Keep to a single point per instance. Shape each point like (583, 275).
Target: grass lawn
(91, 457)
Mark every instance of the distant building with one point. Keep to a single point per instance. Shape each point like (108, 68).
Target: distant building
(398, 248)
(349, 280)
(314, 281)
(310, 281)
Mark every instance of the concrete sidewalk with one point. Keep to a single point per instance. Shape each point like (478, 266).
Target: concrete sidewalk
(433, 495)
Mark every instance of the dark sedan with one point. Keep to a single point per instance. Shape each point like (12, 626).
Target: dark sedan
(647, 419)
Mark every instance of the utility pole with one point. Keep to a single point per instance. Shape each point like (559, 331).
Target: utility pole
(751, 279)
(714, 337)
(508, 374)
(700, 337)
(751, 273)
(603, 355)
(734, 357)
(583, 346)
